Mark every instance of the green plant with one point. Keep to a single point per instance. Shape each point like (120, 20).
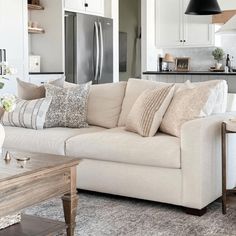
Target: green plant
(218, 54)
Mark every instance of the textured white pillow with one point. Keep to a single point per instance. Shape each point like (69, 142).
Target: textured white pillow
(147, 112)
(28, 114)
(188, 104)
(221, 90)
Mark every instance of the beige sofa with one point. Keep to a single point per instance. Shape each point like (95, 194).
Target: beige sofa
(182, 171)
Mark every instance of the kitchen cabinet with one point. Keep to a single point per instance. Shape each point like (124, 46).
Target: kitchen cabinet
(168, 23)
(75, 5)
(174, 29)
(197, 31)
(94, 7)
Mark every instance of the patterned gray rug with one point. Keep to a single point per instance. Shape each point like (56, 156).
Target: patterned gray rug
(108, 215)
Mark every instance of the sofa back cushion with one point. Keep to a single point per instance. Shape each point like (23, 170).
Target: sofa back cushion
(133, 90)
(136, 86)
(104, 104)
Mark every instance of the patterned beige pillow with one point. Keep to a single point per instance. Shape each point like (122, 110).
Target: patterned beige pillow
(29, 91)
(28, 114)
(188, 104)
(68, 107)
(147, 112)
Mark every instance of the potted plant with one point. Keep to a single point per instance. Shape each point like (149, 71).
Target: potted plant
(218, 55)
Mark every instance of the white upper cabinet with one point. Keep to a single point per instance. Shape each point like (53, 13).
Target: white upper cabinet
(198, 30)
(168, 23)
(174, 29)
(74, 5)
(94, 7)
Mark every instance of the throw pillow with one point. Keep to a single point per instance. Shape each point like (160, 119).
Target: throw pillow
(188, 104)
(28, 114)
(147, 112)
(68, 107)
(29, 91)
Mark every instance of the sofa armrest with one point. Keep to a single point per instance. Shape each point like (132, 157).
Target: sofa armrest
(201, 160)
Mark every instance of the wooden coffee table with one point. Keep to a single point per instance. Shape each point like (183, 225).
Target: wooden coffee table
(44, 177)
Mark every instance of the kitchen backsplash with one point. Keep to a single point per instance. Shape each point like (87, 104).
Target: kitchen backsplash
(201, 58)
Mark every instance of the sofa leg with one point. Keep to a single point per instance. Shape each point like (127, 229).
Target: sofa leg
(195, 212)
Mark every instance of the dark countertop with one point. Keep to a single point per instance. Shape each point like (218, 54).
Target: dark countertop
(46, 73)
(187, 73)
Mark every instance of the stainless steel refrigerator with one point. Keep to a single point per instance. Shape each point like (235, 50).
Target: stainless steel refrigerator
(88, 48)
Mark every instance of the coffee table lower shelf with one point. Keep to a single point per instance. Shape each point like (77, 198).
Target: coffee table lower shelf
(35, 226)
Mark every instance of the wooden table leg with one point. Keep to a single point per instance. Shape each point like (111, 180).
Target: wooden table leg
(70, 202)
(224, 181)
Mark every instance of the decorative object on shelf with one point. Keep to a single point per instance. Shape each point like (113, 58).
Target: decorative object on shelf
(35, 7)
(10, 220)
(160, 60)
(206, 7)
(213, 69)
(218, 55)
(35, 2)
(36, 31)
(33, 27)
(182, 64)
(168, 59)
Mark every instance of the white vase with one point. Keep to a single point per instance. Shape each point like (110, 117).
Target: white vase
(218, 66)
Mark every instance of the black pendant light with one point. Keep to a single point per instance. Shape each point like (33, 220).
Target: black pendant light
(203, 7)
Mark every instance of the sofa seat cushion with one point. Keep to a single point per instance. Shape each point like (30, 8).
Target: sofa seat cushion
(46, 141)
(118, 145)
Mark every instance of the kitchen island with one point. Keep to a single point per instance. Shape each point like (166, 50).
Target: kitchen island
(193, 76)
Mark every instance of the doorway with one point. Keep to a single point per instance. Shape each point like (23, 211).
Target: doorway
(129, 39)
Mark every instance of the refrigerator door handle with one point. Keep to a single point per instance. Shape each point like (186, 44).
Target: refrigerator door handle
(96, 62)
(101, 50)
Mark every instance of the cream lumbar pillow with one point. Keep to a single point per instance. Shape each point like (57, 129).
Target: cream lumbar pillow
(147, 112)
(28, 114)
(187, 104)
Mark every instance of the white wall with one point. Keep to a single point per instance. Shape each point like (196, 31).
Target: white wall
(49, 45)
(149, 51)
(129, 22)
(13, 28)
(115, 16)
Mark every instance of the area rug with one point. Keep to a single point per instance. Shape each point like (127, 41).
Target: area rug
(100, 215)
